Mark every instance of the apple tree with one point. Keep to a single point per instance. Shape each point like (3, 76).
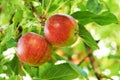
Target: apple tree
(59, 40)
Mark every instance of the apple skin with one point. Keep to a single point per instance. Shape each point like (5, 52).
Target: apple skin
(60, 30)
(33, 49)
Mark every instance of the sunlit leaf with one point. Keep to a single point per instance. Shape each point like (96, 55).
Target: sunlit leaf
(11, 43)
(65, 71)
(105, 18)
(84, 17)
(87, 37)
(53, 7)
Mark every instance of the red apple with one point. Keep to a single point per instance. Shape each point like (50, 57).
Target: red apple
(33, 49)
(60, 30)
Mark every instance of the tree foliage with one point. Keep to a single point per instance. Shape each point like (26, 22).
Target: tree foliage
(94, 55)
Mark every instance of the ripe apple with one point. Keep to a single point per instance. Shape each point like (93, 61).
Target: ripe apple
(60, 30)
(33, 49)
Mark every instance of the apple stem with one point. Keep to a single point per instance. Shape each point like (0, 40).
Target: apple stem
(21, 68)
(76, 32)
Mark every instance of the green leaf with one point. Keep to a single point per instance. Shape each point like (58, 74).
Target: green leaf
(84, 17)
(9, 34)
(38, 9)
(98, 8)
(94, 6)
(1, 69)
(65, 71)
(87, 37)
(31, 70)
(35, 29)
(18, 16)
(114, 56)
(3, 60)
(25, 30)
(91, 4)
(11, 43)
(75, 67)
(2, 48)
(67, 50)
(57, 57)
(105, 18)
(81, 6)
(16, 64)
(53, 7)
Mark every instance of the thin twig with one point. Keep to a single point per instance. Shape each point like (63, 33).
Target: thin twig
(83, 60)
(95, 67)
(104, 76)
(21, 74)
(20, 68)
(93, 63)
(41, 18)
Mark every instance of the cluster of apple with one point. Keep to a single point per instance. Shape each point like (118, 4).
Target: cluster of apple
(59, 31)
